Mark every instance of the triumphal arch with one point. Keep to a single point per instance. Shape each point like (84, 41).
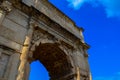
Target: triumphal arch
(35, 30)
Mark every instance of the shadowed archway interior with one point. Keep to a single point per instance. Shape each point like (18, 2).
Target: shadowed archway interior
(54, 59)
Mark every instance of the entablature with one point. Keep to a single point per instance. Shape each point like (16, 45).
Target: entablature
(50, 24)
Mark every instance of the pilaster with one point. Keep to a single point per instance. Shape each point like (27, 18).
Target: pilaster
(13, 66)
(9, 60)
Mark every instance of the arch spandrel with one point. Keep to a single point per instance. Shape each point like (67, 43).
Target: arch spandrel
(52, 54)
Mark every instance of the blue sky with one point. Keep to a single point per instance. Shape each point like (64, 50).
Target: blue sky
(101, 21)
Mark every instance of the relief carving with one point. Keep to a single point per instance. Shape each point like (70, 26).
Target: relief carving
(42, 37)
(37, 35)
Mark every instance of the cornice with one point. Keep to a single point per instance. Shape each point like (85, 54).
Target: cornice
(39, 16)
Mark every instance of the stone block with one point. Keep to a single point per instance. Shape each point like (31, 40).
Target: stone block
(6, 32)
(13, 31)
(10, 43)
(48, 9)
(18, 17)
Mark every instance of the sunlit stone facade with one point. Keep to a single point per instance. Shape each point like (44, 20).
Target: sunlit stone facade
(35, 30)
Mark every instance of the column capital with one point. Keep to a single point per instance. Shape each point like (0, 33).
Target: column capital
(5, 6)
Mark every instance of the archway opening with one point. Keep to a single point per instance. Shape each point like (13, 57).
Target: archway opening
(38, 71)
(54, 59)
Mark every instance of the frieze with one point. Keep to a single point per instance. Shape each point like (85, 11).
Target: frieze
(31, 11)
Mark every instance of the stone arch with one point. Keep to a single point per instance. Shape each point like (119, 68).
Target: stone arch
(52, 54)
(55, 30)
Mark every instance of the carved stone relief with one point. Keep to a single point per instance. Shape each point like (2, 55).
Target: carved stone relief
(40, 36)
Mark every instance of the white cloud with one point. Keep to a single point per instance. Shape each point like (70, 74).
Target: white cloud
(76, 4)
(112, 7)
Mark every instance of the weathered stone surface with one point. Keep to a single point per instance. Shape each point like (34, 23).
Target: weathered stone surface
(8, 64)
(4, 58)
(7, 33)
(35, 30)
(48, 9)
(18, 17)
(17, 31)
(10, 43)
(13, 66)
(2, 15)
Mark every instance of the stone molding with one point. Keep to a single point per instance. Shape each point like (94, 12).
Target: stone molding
(9, 49)
(39, 16)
